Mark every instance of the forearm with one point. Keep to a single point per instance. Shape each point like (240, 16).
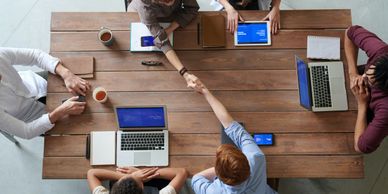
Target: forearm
(351, 53)
(62, 71)
(219, 109)
(174, 60)
(56, 114)
(176, 175)
(276, 4)
(226, 4)
(361, 125)
(209, 174)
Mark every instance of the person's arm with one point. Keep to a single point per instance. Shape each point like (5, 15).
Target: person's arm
(351, 53)
(171, 28)
(177, 176)
(274, 16)
(232, 14)
(74, 84)
(370, 137)
(30, 57)
(209, 174)
(361, 124)
(96, 176)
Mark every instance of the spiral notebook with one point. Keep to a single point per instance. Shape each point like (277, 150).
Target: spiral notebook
(323, 47)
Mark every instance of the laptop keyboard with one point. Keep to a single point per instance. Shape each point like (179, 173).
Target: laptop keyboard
(321, 86)
(142, 141)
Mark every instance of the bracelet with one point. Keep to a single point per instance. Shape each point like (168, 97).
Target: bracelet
(183, 71)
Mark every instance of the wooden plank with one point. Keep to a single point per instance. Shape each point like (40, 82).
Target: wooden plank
(87, 41)
(277, 166)
(172, 81)
(194, 60)
(206, 144)
(247, 101)
(206, 122)
(291, 19)
(235, 101)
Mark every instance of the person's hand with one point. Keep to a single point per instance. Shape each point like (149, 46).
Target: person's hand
(75, 84)
(198, 86)
(274, 19)
(360, 90)
(146, 174)
(233, 18)
(72, 106)
(190, 79)
(126, 170)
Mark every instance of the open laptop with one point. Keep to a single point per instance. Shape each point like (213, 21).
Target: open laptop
(142, 139)
(321, 85)
(253, 33)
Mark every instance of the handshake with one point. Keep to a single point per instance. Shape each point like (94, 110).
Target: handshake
(194, 83)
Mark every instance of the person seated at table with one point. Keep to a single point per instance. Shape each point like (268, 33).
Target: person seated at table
(131, 180)
(240, 169)
(369, 84)
(179, 12)
(22, 112)
(230, 6)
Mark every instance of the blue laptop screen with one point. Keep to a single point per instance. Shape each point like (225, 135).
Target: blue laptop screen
(304, 84)
(252, 33)
(141, 117)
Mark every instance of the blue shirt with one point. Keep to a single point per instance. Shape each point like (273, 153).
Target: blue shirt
(257, 181)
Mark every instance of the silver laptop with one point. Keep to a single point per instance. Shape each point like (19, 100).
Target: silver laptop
(321, 85)
(142, 139)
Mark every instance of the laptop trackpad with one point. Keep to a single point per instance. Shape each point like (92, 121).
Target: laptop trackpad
(142, 158)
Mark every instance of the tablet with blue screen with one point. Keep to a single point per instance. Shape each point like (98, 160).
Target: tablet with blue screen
(253, 33)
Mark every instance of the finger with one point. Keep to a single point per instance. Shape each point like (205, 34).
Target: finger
(235, 23)
(276, 28)
(74, 98)
(151, 171)
(279, 25)
(153, 176)
(231, 26)
(73, 92)
(241, 18)
(80, 91)
(76, 103)
(265, 18)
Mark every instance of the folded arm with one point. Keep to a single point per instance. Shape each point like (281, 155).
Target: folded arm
(96, 176)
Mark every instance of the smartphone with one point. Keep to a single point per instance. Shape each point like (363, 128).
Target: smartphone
(264, 139)
(147, 41)
(80, 99)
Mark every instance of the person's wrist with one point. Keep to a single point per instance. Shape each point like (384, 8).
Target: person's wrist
(362, 105)
(56, 114)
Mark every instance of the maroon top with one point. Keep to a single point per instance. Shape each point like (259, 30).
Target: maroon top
(377, 128)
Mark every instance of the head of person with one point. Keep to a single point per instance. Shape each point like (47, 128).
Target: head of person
(163, 2)
(232, 166)
(128, 185)
(377, 74)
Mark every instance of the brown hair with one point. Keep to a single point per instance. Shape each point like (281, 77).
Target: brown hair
(232, 165)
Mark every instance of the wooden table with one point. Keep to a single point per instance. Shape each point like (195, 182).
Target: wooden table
(257, 84)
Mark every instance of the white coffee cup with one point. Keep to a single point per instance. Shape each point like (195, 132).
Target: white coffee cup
(100, 95)
(105, 35)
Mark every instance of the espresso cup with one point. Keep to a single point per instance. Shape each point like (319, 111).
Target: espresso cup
(100, 95)
(105, 35)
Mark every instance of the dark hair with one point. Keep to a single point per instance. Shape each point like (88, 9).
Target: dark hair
(126, 186)
(232, 165)
(381, 72)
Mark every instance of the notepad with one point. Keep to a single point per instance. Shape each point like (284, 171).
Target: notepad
(213, 30)
(82, 66)
(102, 148)
(323, 47)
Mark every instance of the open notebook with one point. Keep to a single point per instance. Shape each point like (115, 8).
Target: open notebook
(323, 47)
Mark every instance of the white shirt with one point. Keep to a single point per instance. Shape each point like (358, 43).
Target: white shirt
(166, 190)
(20, 112)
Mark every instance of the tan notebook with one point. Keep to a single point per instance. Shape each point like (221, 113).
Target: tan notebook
(213, 30)
(83, 66)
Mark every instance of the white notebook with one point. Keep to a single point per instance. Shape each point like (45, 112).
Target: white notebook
(102, 148)
(323, 47)
(139, 34)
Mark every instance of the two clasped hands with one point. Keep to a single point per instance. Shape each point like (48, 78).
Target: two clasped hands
(195, 83)
(359, 86)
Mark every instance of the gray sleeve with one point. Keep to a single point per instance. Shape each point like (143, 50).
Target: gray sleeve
(185, 14)
(150, 20)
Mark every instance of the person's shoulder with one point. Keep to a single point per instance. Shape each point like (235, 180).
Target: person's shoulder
(168, 190)
(100, 190)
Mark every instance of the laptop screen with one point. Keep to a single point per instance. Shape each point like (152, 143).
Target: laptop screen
(304, 83)
(141, 117)
(252, 33)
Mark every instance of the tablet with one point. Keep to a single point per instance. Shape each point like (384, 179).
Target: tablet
(253, 33)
